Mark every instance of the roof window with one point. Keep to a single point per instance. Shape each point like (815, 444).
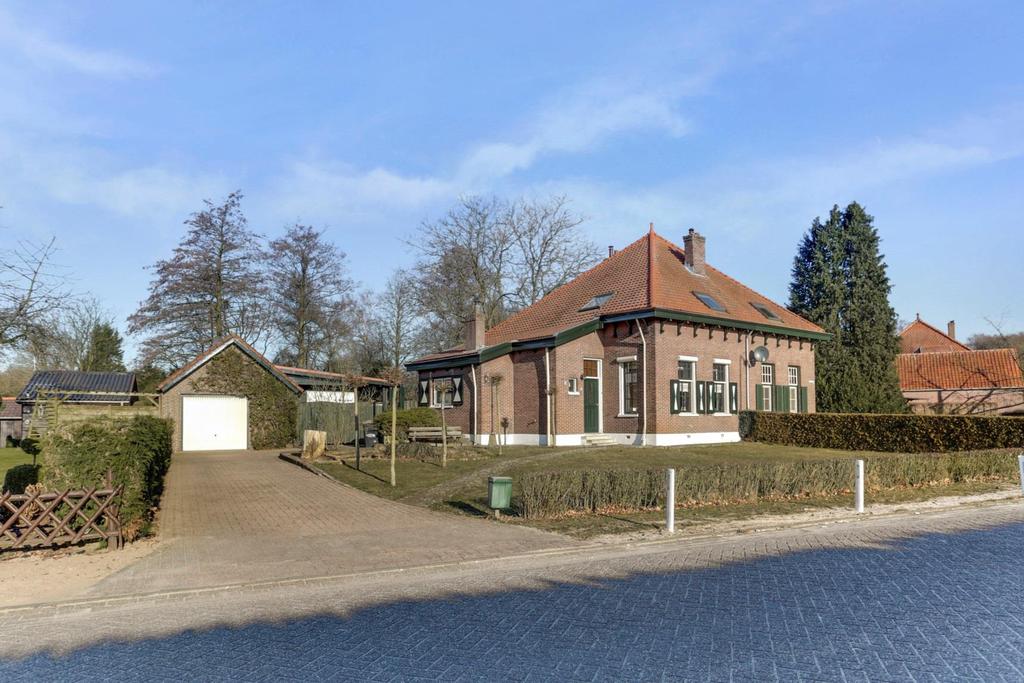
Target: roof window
(710, 301)
(596, 302)
(765, 311)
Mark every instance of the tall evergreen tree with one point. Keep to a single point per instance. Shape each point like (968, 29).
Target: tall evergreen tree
(105, 353)
(840, 283)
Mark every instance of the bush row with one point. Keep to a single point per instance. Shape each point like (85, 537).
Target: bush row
(549, 494)
(413, 417)
(889, 433)
(136, 452)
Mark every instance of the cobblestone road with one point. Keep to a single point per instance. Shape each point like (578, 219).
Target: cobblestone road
(929, 597)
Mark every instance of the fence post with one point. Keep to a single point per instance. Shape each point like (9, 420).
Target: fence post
(859, 496)
(670, 503)
(1020, 463)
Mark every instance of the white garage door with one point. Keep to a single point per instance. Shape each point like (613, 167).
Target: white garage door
(214, 423)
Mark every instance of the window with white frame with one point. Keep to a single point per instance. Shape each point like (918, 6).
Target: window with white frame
(574, 386)
(629, 387)
(685, 391)
(767, 380)
(442, 393)
(720, 388)
(794, 388)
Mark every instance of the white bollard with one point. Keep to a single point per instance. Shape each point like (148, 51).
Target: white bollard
(670, 503)
(1020, 462)
(859, 495)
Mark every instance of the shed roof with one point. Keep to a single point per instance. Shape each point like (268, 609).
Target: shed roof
(10, 410)
(67, 382)
(954, 370)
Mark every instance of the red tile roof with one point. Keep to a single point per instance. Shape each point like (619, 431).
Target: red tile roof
(10, 410)
(649, 273)
(994, 368)
(920, 337)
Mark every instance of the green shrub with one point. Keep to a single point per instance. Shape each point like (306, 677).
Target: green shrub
(20, 476)
(887, 433)
(12, 442)
(136, 452)
(549, 494)
(29, 445)
(413, 417)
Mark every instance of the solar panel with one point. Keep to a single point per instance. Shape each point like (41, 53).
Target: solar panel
(710, 301)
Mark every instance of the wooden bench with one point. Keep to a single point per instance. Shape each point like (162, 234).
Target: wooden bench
(434, 434)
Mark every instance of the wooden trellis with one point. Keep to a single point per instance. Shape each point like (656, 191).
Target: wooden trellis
(53, 518)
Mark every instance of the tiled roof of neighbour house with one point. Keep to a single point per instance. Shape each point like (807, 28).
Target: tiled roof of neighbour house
(69, 381)
(990, 369)
(10, 410)
(920, 337)
(304, 375)
(648, 274)
(218, 346)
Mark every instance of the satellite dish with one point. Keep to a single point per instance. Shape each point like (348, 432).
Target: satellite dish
(758, 355)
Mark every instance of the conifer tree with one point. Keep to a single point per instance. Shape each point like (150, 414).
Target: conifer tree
(840, 283)
(105, 353)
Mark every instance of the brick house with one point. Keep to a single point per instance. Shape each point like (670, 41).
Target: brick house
(652, 346)
(938, 374)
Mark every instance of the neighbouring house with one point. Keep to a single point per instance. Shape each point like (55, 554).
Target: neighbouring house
(938, 374)
(651, 346)
(74, 395)
(10, 420)
(320, 386)
(230, 397)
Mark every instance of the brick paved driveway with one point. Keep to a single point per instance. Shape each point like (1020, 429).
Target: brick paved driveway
(918, 597)
(245, 517)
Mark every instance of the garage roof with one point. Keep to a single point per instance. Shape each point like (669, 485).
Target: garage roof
(218, 347)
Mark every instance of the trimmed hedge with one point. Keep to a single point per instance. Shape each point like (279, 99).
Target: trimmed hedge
(413, 417)
(550, 494)
(136, 451)
(17, 478)
(886, 433)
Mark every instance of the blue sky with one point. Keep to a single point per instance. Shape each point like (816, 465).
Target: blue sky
(742, 120)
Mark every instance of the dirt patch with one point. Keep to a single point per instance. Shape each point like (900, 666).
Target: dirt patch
(49, 575)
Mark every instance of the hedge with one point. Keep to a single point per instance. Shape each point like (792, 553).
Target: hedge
(887, 433)
(549, 494)
(136, 451)
(413, 417)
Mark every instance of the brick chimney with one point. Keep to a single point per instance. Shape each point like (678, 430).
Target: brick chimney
(951, 329)
(611, 251)
(474, 331)
(693, 243)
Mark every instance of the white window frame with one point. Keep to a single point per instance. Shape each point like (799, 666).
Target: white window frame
(573, 385)
(622, 362)
(692, 360)
(450, 393)
(767, 404)
(725, 384)
(794, 387)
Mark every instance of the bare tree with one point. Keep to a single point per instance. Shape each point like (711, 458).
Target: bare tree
(311, 295)
(209, 287)
(549, 248)
(30, 293)
(502, 255)
(67, 335)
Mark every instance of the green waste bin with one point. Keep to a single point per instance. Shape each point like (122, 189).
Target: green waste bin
(499, 493)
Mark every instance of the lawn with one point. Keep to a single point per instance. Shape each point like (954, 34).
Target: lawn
(9, 457)
(461, 487)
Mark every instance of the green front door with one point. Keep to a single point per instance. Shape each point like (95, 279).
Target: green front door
(591, 406)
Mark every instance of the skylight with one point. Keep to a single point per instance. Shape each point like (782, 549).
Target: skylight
(709, 301)
(765, 311)
(596, 302)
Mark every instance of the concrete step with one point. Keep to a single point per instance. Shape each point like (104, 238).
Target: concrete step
(597, 440)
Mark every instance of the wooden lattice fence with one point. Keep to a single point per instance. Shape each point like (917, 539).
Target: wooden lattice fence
(53, 518)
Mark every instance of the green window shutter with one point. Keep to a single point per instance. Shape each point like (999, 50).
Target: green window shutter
(701, 399)
(673, 393)
(759, 397)
(803, 399)
(734, 403)
(781, 398)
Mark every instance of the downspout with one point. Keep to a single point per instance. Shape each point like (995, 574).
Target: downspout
(547, 392)
(746, 372)
(643, 385)
(476, 404)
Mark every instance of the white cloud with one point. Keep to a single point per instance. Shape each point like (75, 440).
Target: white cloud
(43, 50)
